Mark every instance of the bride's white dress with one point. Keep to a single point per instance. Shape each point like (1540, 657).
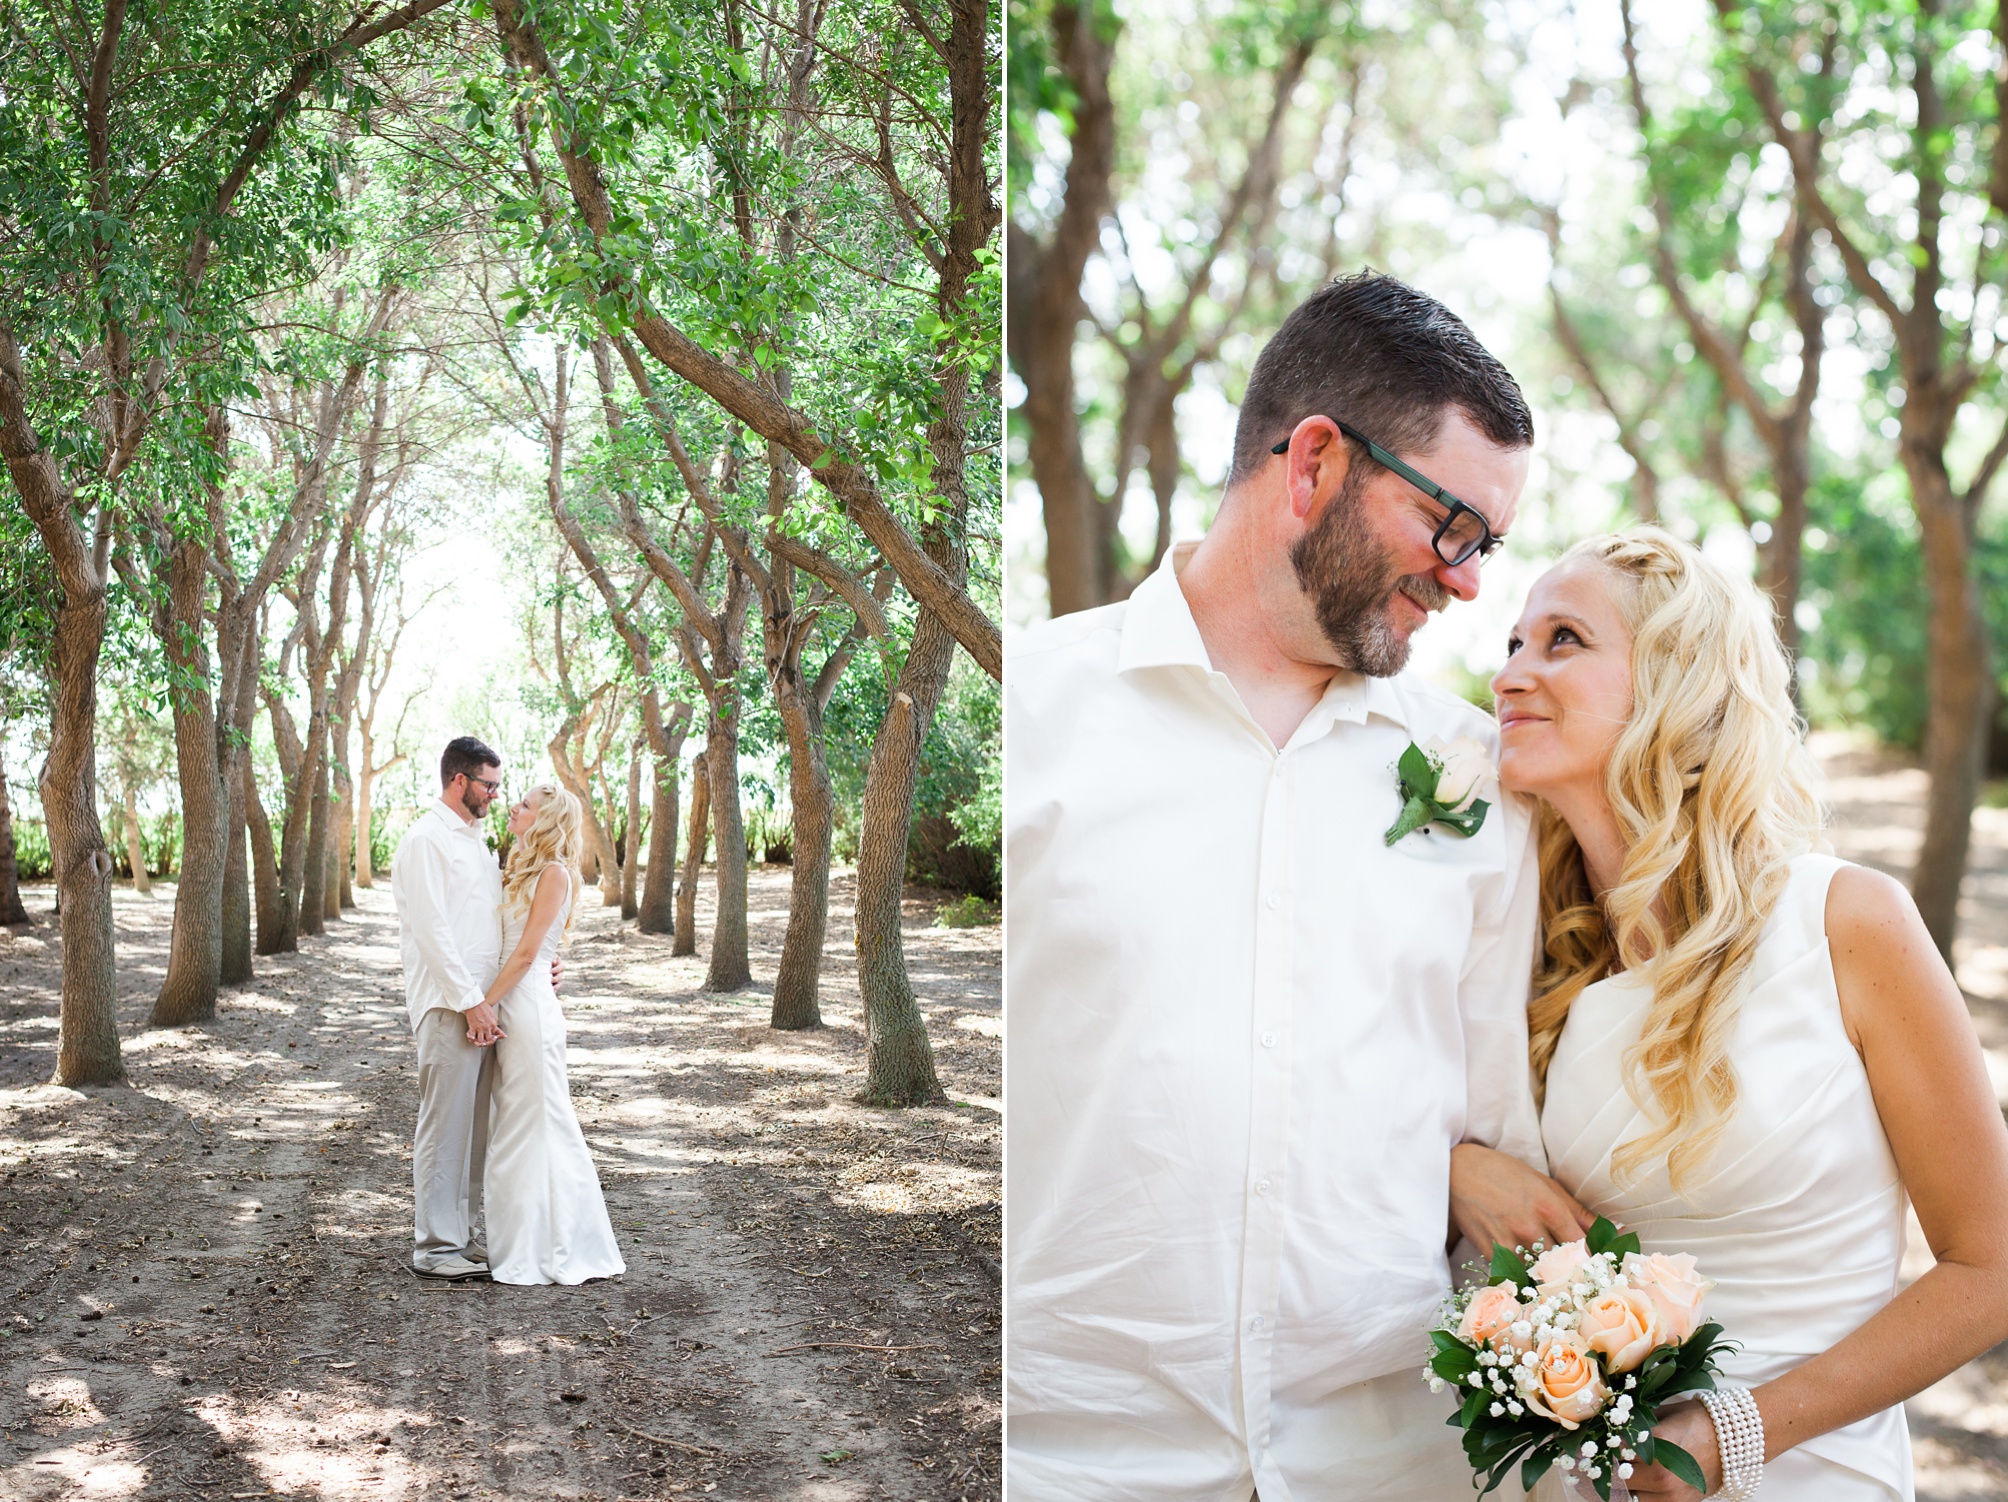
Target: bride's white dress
(1799, 1215)
(547, 1222)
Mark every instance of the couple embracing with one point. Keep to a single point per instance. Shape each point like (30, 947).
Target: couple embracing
(1276, 1048)
(481, 969)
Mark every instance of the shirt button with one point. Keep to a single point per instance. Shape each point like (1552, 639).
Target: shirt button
(1268, 1040)
(1255, 1325)
(1274, 900)
(1262, 1187)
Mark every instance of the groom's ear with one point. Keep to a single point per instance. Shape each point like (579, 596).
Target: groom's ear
(1315, 467)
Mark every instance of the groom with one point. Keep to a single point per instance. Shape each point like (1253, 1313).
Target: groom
(448, 889)
(1246, 1032)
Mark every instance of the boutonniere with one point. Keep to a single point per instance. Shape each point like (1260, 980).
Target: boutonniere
(1439, 783)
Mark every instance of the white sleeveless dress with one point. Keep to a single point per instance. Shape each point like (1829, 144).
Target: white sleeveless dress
(1799, 1215)
(547, 1222)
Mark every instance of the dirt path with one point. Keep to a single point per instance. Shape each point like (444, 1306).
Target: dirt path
(206, 1275)
(1959, 1428)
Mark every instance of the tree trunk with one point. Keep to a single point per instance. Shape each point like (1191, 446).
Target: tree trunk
(365, 814)
(314, 876)
(657, 912)
(87, 1049)
(342, 813)
(797, 980)
(12, 911)
(631, 853)
(195, 951)
(729, 970)
(1046, 311)
(235, 968)
(135, 845)
(275, 935)
(899, 1061)
(1960, 682)
(693, 856)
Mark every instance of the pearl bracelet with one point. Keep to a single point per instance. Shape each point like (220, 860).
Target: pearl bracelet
(1739, 1436)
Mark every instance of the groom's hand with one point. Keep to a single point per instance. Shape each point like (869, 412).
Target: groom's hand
(1497, 1200)
(557, 972)
(1688, 1426)
(483, 1026)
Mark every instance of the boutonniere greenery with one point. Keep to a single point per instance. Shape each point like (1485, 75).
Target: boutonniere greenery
(1440, 782)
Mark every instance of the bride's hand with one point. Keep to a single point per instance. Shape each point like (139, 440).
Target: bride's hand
(1690, 1427)
(1495, 1199)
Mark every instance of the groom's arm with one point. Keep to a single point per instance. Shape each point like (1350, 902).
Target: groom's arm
(423, 909)
(1498, 1192)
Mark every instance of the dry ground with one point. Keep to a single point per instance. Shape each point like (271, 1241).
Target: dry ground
(1959, 1427)
(205, 1277)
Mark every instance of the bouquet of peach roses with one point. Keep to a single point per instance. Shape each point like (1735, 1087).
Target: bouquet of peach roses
(1564, 1361)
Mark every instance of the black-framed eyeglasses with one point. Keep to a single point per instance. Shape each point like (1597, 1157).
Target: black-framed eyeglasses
(1462, 532)
(494, 788)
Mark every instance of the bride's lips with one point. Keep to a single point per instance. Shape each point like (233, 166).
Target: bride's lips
(1514, 717)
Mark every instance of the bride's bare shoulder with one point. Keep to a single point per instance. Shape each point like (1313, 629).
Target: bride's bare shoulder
(1886, 967)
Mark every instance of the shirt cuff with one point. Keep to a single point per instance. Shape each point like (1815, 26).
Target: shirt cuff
(473, 999)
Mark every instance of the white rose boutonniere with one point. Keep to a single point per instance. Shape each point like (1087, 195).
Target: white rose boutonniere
(1440, 782)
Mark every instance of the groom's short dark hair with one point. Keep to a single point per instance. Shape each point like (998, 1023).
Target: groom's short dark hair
(463, 757)
(1374, 353)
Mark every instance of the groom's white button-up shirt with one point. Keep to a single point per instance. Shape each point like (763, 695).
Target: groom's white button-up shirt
(448, 890)
(1244, 1035)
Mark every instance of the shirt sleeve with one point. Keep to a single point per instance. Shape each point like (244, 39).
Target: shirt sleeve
(422, 880)
(1492, 998)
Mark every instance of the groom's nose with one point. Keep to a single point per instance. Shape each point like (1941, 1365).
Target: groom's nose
(1461, 579)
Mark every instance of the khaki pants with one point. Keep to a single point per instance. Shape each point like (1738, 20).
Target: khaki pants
(451, 1144)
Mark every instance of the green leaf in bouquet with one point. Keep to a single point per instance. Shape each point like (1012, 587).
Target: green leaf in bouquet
(1536, 1467)
(1703, 1344)
(1454, 1364)
(1603, 1237)
(1682, 1464)
(1657, 1370)
(1474, 1405)
(1505, 1463)
(1508, 1266)
(1417, 772)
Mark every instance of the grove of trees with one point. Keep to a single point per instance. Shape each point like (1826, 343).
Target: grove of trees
(1767, 238)
(288, 292)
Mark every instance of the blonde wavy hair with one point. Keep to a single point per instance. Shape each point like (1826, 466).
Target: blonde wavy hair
(1713, 791)
(556, 836)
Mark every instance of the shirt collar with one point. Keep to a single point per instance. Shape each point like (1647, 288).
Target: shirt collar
(1158, 628)
(1159, 631)
(453, 820)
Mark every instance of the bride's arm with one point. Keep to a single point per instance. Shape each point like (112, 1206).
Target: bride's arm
(1906, 1016)
(552, 886)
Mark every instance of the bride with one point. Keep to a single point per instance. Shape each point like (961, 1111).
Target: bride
(1745, 1051)
(546, 1220)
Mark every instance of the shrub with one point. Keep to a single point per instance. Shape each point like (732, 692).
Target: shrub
(32, 861)
(970, 911)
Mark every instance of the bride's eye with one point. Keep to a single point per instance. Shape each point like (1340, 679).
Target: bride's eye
(1565, 633)
(1513, 644)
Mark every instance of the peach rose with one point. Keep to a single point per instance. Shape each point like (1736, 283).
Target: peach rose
(1566, 1385)
(1624, 1325)
(1676, 1290)
(1488, 1314)
(1557, 1267)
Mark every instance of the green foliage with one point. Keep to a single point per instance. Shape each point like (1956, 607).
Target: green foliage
(961, 773)
(32, 860)
(968, 911)
(1864, 578)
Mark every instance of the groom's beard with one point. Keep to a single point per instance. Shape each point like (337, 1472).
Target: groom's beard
(1351, 583)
